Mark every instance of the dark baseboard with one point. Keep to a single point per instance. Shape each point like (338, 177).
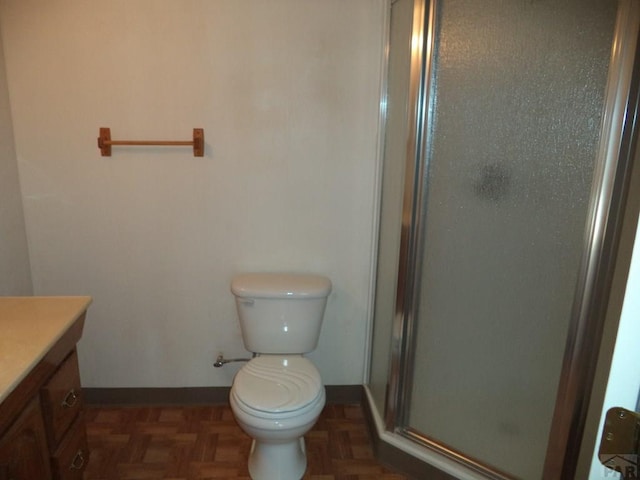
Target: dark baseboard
(397, 459)
(336, 394)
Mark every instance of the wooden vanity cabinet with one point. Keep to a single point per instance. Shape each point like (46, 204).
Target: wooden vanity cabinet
(23, 448)
(61, 399)
(62, 403)
(42, 431)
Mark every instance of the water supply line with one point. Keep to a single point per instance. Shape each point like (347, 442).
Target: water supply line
(221, 361)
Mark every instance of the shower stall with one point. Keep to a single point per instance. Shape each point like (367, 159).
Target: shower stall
(509, 130)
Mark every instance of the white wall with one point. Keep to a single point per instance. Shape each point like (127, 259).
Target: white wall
(287, 92)
(15, 277)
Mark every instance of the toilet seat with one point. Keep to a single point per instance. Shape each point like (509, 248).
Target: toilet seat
(268, 420)
(272, 385)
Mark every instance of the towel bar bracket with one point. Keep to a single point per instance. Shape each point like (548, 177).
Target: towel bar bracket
(104, 142)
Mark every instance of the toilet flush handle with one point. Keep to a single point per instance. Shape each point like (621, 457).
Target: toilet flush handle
(247, 301)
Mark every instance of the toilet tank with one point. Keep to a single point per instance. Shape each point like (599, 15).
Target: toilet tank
(280, 313)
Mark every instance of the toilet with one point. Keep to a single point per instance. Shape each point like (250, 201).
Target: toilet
(278, 395)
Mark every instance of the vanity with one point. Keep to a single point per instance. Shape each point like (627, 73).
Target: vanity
(42, 432)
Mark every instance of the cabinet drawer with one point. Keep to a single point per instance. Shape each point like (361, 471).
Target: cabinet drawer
(72, 456)
(62, 399)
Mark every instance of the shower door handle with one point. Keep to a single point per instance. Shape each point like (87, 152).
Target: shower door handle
(620, 443)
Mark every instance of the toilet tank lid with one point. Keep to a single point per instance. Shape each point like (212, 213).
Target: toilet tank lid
(280, 285)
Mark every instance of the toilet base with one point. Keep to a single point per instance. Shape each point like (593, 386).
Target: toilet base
(282, 461)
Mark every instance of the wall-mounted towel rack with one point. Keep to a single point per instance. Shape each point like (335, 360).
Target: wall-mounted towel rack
(105, 143)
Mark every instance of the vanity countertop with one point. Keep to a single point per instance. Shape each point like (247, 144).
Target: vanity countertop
(29, 327)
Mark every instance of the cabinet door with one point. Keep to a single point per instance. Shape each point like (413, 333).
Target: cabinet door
(23, 448)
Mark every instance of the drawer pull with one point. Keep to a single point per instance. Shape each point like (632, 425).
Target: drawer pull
(70, 399)
(78, 461)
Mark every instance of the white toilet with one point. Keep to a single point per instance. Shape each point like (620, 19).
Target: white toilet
(278, 395)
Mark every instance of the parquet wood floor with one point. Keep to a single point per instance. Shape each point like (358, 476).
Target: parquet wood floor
(204, 442)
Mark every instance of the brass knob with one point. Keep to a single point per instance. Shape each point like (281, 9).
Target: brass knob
(70, 399)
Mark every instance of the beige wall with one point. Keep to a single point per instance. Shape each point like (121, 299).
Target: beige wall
(15, 278)
(287, 92)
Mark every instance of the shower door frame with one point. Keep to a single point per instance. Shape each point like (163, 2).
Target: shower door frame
(613, 164)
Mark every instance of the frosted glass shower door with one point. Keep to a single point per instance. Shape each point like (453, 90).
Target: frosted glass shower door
(518, 93)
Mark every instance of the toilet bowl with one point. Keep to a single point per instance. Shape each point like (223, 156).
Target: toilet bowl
(276, 400)
(278, 395)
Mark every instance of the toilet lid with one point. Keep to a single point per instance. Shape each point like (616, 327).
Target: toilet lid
(277, 384)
